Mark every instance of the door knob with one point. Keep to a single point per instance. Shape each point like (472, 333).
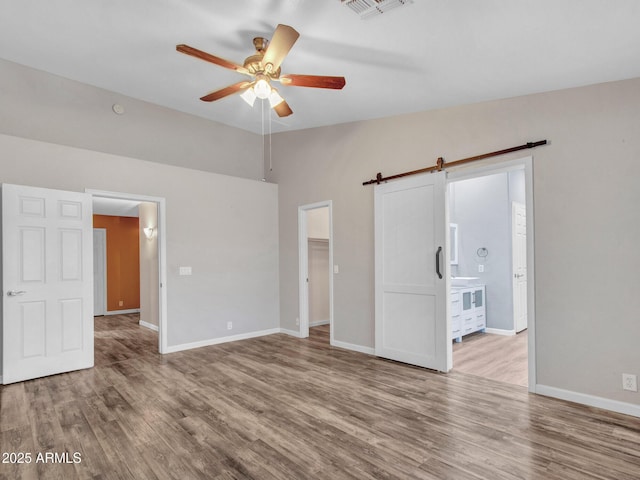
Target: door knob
(15, 293)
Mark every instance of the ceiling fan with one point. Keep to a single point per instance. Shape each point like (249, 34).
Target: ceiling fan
(264, 67)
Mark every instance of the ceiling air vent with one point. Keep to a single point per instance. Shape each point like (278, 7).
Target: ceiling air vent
(372, 8)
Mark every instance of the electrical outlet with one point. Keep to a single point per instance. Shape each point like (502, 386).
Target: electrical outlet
(630, 382)
(229, 325)
(297, 322)
(121, 303)
(480, 268)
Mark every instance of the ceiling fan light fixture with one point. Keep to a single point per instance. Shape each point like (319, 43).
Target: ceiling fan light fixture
(275, 99)
(249, 96)
(262, 89)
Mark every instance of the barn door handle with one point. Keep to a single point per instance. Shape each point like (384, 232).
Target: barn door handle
(15, 293)
(438, 262)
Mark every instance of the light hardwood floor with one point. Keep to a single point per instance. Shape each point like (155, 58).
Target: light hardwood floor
(278, 407)
(497, 357)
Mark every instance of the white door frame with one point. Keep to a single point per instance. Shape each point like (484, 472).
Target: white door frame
(162, 256)
(303, 268)
(525, 164)
(103, 234)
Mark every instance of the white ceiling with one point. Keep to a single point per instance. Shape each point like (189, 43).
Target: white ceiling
(430, 54)
(115, 207)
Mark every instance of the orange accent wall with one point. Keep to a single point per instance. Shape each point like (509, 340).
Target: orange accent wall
(123, 260)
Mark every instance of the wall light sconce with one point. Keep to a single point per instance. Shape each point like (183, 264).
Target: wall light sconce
(149, 232)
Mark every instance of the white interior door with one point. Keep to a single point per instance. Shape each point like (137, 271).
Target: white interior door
(411, 268)
(99, 271)
(519, 248)
(47, 304)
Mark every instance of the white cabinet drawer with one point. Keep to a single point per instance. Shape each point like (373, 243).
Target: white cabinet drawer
(456, 326)
(455, 307)
(468, 329)
(455, 303)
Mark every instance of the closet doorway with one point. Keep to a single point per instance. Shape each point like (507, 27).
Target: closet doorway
(316, 271)
(489, 253)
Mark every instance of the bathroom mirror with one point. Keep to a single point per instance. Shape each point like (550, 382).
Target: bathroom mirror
(453, 243)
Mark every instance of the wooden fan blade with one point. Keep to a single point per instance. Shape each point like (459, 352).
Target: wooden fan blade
(315, 81)
(207, 57)
(283, 39)
(225, 92)
(283, 109)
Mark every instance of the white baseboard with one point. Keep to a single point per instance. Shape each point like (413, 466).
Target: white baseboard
(499, 331)
(262, 333)
(355, 348)
(151, 326)
(293, 333)
(590, 400)
(122, 312)
(216, 341)
(1, 380)
(318, 323)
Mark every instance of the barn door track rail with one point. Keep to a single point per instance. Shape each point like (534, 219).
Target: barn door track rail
(441, 163)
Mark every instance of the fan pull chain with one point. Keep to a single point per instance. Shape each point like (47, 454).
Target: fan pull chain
(264, 175)
(270, 157)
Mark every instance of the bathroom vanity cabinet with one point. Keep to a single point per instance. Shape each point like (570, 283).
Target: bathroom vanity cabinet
(468, 311)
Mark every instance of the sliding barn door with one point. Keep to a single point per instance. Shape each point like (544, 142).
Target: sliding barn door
(410, 282)
(47, 278)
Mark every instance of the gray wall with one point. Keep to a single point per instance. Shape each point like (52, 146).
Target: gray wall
(46, 107)
(586, 323)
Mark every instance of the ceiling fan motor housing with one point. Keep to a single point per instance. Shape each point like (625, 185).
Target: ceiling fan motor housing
(254, 62)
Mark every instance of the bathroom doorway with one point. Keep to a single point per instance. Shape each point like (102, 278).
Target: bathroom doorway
(489, 277)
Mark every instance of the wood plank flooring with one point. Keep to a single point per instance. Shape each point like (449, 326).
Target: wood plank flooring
(498, 357)
(278, 407)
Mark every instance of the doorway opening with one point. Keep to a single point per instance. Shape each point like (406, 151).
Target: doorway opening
(490, 246)
(145, 248)
(125, 277)
(118, 253)
(315, 249)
